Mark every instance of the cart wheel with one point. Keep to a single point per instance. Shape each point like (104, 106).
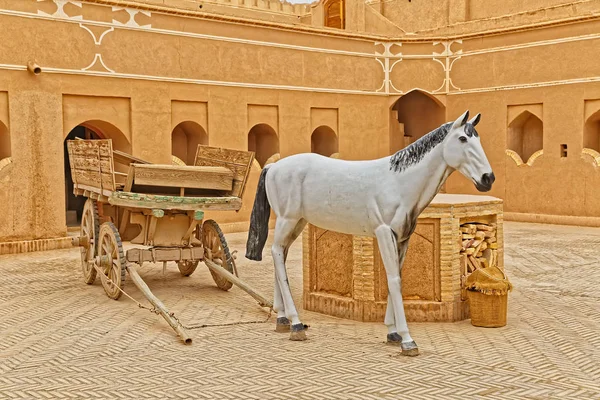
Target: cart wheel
(216, 250)
(111, 260)
(89, 228)
(187, 267)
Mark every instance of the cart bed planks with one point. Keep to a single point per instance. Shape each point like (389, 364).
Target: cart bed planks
(150, 201)
(217, 178)
(171, 227)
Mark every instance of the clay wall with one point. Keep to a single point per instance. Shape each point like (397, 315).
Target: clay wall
(158, 83)
(467, 17)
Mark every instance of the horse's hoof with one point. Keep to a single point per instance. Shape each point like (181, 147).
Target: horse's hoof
(298, 333)
(409, 349)
(394, 339)
(283, 325)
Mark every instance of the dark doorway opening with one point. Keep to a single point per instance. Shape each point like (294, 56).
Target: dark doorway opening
(74, 204)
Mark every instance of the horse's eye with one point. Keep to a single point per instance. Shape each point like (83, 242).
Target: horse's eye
(463, 139)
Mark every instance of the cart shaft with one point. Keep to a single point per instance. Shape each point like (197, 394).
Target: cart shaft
(262, 300)
(139, 282)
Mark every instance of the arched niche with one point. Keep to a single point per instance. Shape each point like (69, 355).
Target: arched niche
(263, 141)
(412, 116)
(103, 130)
(324, 141)
(591, 132)
(526, 135)
(334, 13)
(89, 130)
(185, 139)
(5, 149)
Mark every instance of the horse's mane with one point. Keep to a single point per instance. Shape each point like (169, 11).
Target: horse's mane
(413, 153)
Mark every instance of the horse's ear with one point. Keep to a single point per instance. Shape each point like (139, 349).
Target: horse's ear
(460, 121)
(475, 120)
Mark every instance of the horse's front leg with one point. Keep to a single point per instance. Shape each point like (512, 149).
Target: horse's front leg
(392, 254)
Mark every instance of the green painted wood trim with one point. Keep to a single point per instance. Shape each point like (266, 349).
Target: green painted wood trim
(150, 201)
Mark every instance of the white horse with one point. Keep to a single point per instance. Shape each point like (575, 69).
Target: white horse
(378, 198)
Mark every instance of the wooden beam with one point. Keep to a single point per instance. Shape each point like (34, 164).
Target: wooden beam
(148, 201)
(262, 300)
(127, 188)
(127, 159)
(217, 178)
(165, 254)
(194, 222)
(164, 312)
(152, 229)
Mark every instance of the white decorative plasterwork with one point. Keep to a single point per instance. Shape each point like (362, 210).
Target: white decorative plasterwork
(60, 10)
(132, 13)
(97, 41)
(98, 58)
(447, 61)
(387, 55)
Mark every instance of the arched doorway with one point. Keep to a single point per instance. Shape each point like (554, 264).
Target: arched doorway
(412, 116)
(89, 130)
(263, 141)
(526, 135)
(5, 150)
(324, 141)
(185, 139)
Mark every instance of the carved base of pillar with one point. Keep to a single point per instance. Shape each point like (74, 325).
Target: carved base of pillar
(344, 275)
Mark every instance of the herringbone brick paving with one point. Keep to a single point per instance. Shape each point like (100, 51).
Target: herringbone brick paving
(62, 339)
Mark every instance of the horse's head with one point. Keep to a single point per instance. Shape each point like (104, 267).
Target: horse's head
(463, 152)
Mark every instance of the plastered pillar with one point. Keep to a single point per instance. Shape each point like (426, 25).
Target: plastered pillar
(151, 125)
(35, 188)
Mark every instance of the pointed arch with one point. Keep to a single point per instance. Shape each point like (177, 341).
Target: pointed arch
(264, 142)
(185, 138)
(413, 115)
(526, 135)
(91, 129)
(324, 141)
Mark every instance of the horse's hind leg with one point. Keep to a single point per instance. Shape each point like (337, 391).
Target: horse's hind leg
(286, 231)
(283, 324)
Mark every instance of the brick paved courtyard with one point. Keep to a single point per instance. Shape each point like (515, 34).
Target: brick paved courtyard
(62, 339)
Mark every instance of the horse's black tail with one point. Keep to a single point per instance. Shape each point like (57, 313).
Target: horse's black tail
(259, 221)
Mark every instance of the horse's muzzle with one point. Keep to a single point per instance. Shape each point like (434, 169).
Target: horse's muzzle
(485, 184)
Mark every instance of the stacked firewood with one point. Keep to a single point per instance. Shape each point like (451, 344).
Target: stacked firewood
(479, 246)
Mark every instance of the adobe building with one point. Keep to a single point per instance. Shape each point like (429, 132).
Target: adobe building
(353, 77)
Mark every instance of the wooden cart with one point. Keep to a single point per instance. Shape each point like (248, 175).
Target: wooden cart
(163, 205)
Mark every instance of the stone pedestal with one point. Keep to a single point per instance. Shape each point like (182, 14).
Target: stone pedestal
(344, 275)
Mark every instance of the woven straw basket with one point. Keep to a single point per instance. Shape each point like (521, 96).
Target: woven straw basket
(487, 310)
(487, 291)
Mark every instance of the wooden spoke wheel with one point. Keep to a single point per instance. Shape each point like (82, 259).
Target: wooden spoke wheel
(216, 250)
(187, 267)
(89, 228)
(111, 260)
